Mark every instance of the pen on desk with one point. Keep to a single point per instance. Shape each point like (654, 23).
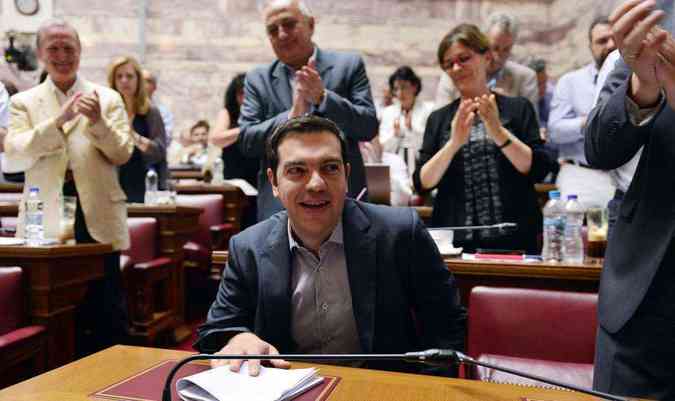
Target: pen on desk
(360, 195)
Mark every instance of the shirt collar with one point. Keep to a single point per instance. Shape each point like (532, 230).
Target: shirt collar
(77, 86)
(335, 237)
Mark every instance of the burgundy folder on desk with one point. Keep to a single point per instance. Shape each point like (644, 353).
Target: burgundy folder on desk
(148, 384)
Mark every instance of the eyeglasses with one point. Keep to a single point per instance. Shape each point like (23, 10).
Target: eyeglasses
(462, 60)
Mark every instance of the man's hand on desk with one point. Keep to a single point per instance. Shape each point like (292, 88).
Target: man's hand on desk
(248, 344)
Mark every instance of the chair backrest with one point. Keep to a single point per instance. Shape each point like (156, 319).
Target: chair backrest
(142, 239)
(11, 299)
(528, 323)
(213, 214)
(379, 184)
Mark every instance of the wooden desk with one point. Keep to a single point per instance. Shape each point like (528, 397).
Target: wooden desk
(176, 225)
(11, 187)
(185, 174)
(234, 199)
(556, 276)
(79, 379)
(57, 278)
(472, 273)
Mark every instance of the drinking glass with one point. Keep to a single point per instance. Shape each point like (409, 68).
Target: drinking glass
(67, 209)
(597, 220)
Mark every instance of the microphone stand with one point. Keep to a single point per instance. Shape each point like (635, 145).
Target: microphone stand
(434, 357)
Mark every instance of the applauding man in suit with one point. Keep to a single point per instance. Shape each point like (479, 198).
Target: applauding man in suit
(330, 275)
(68, 135)
(636, 308)
(304, 79)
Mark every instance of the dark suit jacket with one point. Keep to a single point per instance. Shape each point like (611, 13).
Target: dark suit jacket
(645, 226)
(394, 271)
(349, 103)
(519, 199)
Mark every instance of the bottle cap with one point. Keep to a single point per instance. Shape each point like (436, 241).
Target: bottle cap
(554, 194)
(34, 189)
(572, 197)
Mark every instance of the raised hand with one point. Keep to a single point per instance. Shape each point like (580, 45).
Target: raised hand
(90, 106)
(633, 26)
(489, 114)
(462, 122)
(665, 69)
(309, 83)
(248, 344)
(69, 110)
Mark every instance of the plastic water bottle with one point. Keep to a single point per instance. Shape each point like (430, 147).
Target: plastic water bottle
(217, 168)
(573, 250)
(34, 230)
(554, 228)
(151, 181)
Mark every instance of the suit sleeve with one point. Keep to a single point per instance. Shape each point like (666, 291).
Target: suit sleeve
(611, 139)
(254, 127)
(434, 293)
(232, 312)
(25, 143)
(111, 134)
(355, 113)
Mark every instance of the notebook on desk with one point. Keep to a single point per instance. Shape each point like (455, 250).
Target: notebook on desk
(148, 384)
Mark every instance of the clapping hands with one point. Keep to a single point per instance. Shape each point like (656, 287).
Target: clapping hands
(485, 107)
(80, 104)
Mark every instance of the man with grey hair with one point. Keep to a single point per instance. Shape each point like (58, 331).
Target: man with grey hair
(69, 135)
(504, 76)
(304, 79)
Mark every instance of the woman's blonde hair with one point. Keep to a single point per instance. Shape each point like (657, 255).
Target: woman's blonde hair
(141, 100)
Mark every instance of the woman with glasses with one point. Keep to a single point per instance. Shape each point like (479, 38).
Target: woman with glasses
(482, 152)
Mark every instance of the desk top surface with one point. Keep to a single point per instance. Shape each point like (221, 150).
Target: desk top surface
(77, 380)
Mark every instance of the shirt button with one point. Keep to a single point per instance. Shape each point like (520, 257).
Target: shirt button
(324, 307)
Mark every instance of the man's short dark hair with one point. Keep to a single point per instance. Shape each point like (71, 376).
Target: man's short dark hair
(599, 20)
(308, 124)
(200, 123)
(405, 73)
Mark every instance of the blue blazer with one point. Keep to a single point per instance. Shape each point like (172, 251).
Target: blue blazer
(395, 272)
(645, 226)
(268, 98)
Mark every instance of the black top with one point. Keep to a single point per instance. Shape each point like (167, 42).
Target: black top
(518, 196)
(132, 173)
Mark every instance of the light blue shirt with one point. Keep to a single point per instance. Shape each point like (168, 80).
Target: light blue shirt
(4, 107)
(572, 102)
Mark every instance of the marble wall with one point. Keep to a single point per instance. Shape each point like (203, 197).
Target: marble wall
(197, 46)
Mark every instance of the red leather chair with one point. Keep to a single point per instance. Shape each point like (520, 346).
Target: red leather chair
(542, 332)
(150, 282)
(22, 346)
(213, 232)
(201, 278)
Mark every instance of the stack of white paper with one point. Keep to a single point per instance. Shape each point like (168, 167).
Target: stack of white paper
(221, 384)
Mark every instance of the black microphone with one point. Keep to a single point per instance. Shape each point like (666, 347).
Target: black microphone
(433, 357)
